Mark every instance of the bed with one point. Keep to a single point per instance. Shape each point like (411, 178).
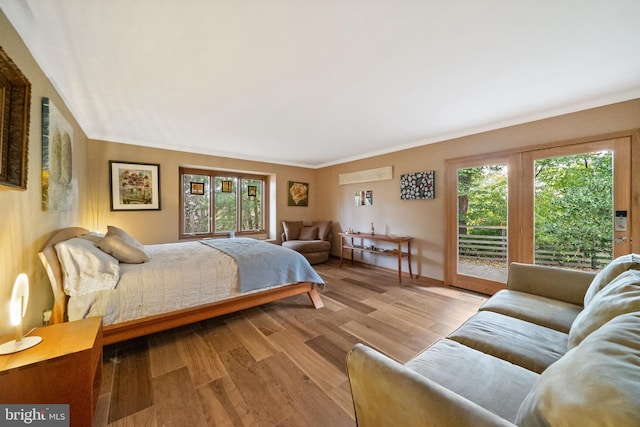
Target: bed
(175, 283)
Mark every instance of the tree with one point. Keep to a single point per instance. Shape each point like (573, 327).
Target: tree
(574, 204)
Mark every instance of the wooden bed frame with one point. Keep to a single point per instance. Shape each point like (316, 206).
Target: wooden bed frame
(160, 322)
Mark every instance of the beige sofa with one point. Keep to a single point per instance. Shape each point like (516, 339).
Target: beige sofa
(556, 348)
(312, 240)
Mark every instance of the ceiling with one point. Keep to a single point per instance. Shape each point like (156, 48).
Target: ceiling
(315, 83)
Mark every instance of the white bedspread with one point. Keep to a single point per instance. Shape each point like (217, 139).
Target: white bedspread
(177, 276)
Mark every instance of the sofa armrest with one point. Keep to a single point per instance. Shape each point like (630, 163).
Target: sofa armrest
(386, 393)
(551, 282)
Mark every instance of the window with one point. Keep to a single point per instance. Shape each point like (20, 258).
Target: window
(215, 203)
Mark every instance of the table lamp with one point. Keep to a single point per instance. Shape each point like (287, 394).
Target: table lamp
(18, 308)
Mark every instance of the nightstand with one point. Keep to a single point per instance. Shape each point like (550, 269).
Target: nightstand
(66, 367)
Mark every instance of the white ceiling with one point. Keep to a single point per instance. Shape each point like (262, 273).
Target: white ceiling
(315, 83)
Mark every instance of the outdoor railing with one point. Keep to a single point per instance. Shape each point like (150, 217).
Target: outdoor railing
(484, 247)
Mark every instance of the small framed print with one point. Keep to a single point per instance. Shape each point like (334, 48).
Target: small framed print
(227, 186)
(197, 188)
(252, 191)
(134, 186)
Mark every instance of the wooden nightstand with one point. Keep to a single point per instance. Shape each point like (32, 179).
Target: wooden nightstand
(66, 367)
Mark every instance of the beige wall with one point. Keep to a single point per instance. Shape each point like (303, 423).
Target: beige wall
(25, 227)
(425, 219)
(162, 226)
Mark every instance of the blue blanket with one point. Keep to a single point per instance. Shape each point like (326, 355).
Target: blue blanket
(262, 264)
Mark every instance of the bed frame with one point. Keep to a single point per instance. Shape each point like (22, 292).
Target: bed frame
(160, 322)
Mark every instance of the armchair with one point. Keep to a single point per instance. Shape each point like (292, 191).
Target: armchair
(313, 241)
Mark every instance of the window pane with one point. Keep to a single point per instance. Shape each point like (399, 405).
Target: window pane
(195, 195)
(226, 204)
(482, 222)
(574, 210)
(251, 205)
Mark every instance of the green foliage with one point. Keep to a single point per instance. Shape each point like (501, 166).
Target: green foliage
(482, 195)
(574, 203)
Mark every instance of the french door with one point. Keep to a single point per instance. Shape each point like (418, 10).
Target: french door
(564, 206)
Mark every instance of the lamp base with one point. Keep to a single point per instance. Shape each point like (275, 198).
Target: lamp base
(16, 346)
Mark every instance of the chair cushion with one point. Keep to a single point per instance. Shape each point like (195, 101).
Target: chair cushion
(292, 229)
(324, 228)
(596, 383)
(525, 344)
(304, 246)
(610, 272)
(488, 381)
(308, 233)
(620, 296)
(542, 311)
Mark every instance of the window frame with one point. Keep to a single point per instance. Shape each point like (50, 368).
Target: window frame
(213, 174)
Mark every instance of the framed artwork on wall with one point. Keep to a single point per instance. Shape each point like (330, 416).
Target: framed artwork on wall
(134, 186)
(15, 107)
(57, 160)
(419, 185)
(298, 193)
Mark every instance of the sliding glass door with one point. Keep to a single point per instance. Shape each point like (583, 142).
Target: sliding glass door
(563, 206)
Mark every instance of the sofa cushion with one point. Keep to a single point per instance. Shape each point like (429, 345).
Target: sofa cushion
(492, 383)
(324, 228)
(292, 229)
(525, 344)
(542, 311)
(610, 272)
(308, 233)
(595, 384)
(304, 246)
(620, 296)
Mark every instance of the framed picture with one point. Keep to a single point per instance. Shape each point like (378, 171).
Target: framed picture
(15, 107)
(298, 193)
(252, 191)
(227, 186)
(134, 186)
(197, 188)
(418, 185)
(57, 150)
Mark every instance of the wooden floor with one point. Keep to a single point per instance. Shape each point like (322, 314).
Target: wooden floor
(281, 364)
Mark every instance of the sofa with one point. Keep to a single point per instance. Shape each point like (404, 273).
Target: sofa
(312, 240)
(555, 348)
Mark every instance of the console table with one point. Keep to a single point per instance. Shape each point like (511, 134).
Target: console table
(348, 243)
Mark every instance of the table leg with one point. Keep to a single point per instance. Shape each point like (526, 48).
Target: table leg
(400, 262)
(409, 257)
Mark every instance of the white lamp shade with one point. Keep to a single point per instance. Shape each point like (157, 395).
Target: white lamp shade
(19, 299)
(18, 308)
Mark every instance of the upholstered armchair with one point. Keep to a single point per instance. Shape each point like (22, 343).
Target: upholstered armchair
(312, 240)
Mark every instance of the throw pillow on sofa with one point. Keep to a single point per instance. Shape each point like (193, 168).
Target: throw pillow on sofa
(620, 296)
(610, 272)
(594, 384)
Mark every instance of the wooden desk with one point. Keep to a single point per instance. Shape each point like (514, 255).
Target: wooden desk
(66, 367)
(347, 242)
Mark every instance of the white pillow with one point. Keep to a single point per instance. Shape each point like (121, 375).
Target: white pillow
(620, 296)
(115, 231)
(125, 252)
(593, 385)
(610, 272)
(85, 268)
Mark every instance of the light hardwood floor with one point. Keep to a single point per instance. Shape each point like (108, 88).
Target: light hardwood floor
(281, 364)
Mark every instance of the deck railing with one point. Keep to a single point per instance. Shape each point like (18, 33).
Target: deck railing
(493, 247)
